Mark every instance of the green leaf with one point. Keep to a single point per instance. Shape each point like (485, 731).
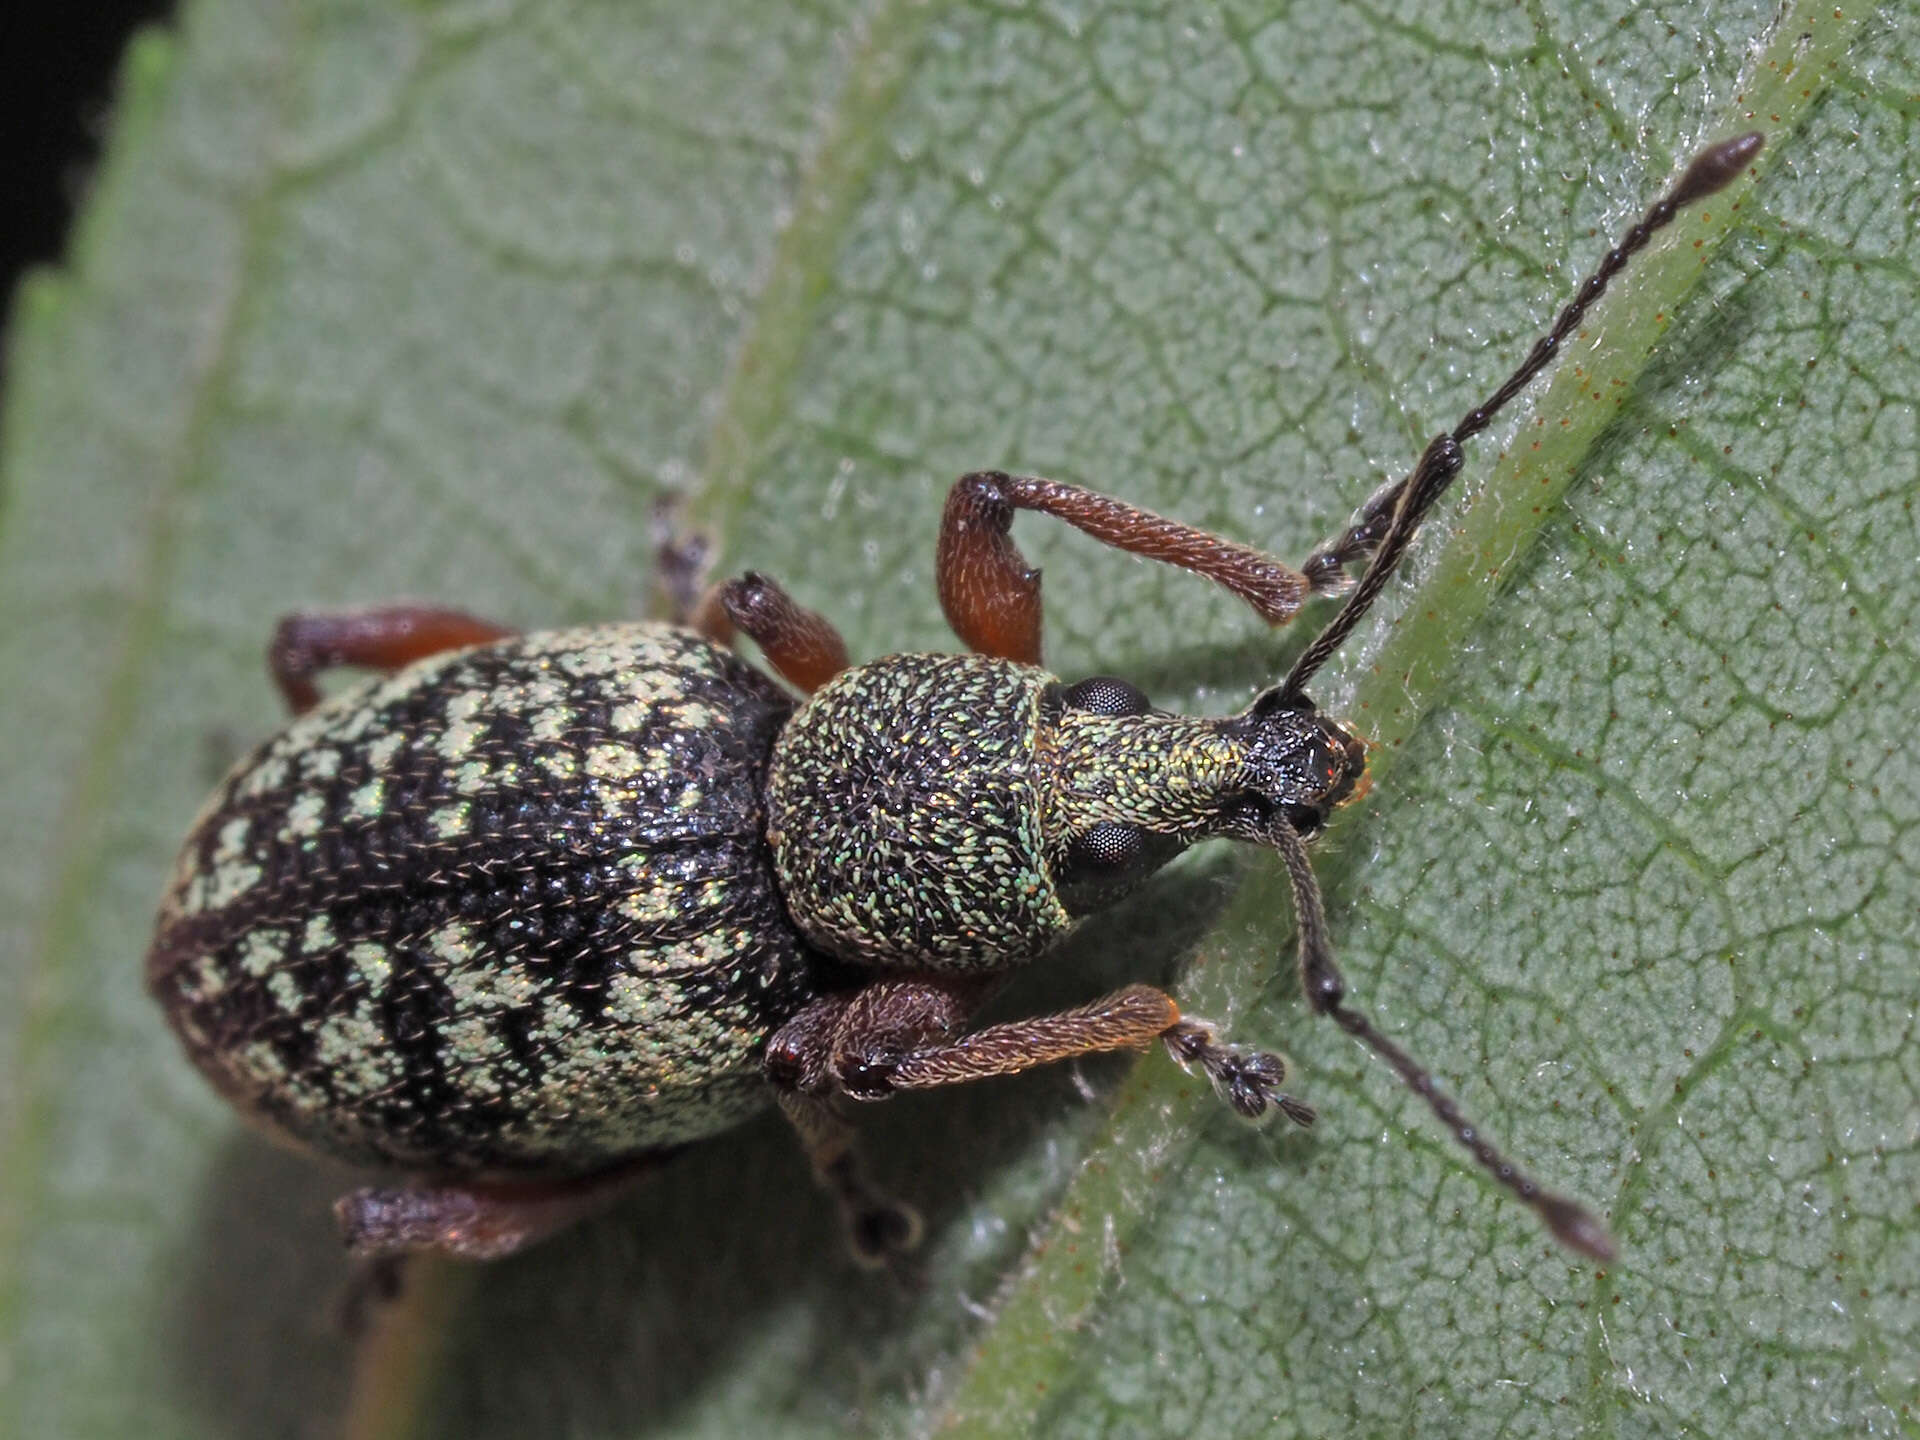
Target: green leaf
(439, 299)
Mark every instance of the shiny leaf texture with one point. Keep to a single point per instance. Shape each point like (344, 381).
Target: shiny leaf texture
(441, 299)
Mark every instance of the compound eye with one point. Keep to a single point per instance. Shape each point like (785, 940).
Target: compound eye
(1102, 864)
(1107, 850)
(1106, 861)
(1105, 695)
(1276, 701)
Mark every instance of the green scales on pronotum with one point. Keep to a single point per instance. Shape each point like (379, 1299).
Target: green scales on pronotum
(528, 911)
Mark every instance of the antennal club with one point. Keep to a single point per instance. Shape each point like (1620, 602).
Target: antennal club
(1386, 525)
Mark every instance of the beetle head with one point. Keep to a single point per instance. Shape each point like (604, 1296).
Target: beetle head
(1124, 787)
(1298, 761)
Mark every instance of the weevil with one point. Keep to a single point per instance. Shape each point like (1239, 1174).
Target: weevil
(524, 912)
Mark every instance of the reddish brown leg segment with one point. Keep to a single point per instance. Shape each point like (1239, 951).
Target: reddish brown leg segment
(1129, 1019)
(475, 1221)
(384, 639)
(801, 644)
(879, 1228)
(992, 596)
(906, 1034)
(710, 617)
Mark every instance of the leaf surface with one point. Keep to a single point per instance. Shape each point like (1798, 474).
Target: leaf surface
(438, 300)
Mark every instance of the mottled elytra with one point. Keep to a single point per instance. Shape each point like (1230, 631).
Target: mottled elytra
(524, 913)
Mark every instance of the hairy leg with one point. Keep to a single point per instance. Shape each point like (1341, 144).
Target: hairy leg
(477, 1220)
(387, 638)
(801, 644)
(992, 596)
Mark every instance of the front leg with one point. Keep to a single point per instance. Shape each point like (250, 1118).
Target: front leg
(870, 1060)
(876, 1055)
(909, 1033)
(992, 596)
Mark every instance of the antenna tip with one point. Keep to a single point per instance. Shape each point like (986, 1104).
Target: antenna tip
(1577, 1228)
(1717, 167)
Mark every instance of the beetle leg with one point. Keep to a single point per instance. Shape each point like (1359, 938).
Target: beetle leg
(386, 638)
(1248, 1080)
(476, 1220)
(681, 560)
(879, 1228)
(874, 1055)
(992, 596)
(846, 1043)
(800, 1062)
(906, 1034)
(1327, 566)
(801, 644)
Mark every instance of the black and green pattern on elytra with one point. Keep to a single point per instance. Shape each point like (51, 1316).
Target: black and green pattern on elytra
(509, 908)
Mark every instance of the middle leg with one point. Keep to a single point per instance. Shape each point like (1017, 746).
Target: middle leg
(799, 643)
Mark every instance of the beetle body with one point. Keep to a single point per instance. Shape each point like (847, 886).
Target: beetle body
(537, 906)
(533, 908)
(510, 909)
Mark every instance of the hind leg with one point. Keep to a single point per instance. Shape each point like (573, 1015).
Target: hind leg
(475, 1220)
(388, 637)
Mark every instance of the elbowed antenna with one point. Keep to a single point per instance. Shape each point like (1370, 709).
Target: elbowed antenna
(1401, 508)
(1383, 530)
(1572, 1224)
